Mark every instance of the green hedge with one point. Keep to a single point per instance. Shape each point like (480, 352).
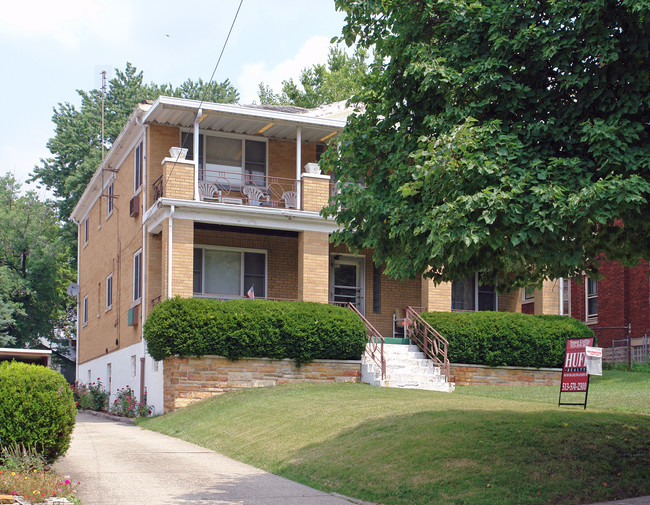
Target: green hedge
(301, 331)
(36, 409)
(506, 338)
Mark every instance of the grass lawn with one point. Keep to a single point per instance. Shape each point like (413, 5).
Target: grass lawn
(479, 445)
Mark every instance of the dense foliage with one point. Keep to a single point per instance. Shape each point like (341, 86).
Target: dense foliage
(36, 409)
(35, 268)
(339, 79)
(500, 136)
(301, 331)
(506, 338)
(76, 148)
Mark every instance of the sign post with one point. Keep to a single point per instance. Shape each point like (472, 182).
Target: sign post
(574, 371)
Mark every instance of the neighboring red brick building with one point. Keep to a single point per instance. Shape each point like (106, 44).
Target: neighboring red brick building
(622, 297)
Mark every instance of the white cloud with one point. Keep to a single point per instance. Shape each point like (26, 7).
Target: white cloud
(66, 22)
(313, 51)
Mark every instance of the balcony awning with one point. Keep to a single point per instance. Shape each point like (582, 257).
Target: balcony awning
(277, 123)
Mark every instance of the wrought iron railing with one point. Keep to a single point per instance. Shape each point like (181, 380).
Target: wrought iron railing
(375, 347)
(157, 188)
(248, 189)
(429, 341)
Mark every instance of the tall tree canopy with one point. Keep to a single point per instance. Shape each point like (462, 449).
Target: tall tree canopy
(77, 143)
(510, 137)
(321, 84)
(35, 269)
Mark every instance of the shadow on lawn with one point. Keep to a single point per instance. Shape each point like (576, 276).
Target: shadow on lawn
(484, 457)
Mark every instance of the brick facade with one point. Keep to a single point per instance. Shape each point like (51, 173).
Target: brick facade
(623, 298)
(313, 267)
(188, 380)
(112, 242)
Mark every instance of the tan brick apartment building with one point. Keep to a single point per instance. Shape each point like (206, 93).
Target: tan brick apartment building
(241, 210)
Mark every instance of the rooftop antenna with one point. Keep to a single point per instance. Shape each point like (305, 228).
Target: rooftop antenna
(103, 72)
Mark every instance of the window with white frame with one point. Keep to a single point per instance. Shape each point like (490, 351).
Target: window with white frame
(85, 311)
(229, 272)
(234, 159)
(86, 231)
(592, 299)
(470, 294)
(137, 168)
(137, 276)
(109, 291)
(528, 294)
(565, 297)
(109, 195)
(133, 366)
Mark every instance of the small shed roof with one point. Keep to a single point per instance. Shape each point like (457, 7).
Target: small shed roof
(36, 356)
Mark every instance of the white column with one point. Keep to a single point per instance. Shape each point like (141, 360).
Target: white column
(298, 166)
(169, 252)
(195, 150)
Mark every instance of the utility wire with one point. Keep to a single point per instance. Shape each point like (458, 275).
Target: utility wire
(223, 48)
(139, 232)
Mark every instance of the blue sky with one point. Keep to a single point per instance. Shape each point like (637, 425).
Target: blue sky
(51, 49)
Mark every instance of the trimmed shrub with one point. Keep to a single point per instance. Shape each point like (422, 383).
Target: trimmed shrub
(301, 331)
(506, 338)
(36, 409)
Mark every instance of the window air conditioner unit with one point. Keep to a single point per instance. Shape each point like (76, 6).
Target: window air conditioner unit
(134, 315)
(134, 206)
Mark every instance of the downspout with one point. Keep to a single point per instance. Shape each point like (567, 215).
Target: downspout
(143, 288)
(76, 350)
(195, 151)
(169, 252)
(298, 166)
(145, 194)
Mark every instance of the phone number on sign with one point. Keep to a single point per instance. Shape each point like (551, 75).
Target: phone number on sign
(574, 386)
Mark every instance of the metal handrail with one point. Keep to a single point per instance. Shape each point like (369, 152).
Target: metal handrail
(375, 347)
(429, 341)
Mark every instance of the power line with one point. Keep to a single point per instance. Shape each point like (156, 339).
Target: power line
(223, 48)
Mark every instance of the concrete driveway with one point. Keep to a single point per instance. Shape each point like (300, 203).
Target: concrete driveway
(120, 464)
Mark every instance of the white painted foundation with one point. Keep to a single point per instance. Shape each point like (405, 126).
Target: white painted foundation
(121, 374)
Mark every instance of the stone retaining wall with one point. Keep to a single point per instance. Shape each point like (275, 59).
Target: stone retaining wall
(191, 379)
(470, 375)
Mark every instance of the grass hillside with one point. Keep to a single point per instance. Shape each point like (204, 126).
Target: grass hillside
(416, 447)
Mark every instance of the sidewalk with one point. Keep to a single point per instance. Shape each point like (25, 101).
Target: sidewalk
(122, 464)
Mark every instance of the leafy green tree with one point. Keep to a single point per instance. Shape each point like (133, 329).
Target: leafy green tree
(509, 137)
(77, 143)
(320, 84)
(35, 269)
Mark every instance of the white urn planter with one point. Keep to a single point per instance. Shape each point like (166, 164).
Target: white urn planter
(312, 168)
(178, 152)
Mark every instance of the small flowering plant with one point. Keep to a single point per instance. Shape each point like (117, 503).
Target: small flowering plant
(91, 396)
(126, 404)
(36, 485)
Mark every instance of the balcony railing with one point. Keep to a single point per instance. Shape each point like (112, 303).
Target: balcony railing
(157, 188)
(248, 189)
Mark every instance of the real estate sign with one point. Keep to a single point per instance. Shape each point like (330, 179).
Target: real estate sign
(574, 371)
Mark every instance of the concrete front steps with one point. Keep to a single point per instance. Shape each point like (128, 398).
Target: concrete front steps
(406, 367)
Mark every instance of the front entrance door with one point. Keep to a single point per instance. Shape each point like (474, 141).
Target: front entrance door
(348, 281)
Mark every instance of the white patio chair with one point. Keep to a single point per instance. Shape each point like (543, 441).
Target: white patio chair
(290, 199)
(254, 194)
